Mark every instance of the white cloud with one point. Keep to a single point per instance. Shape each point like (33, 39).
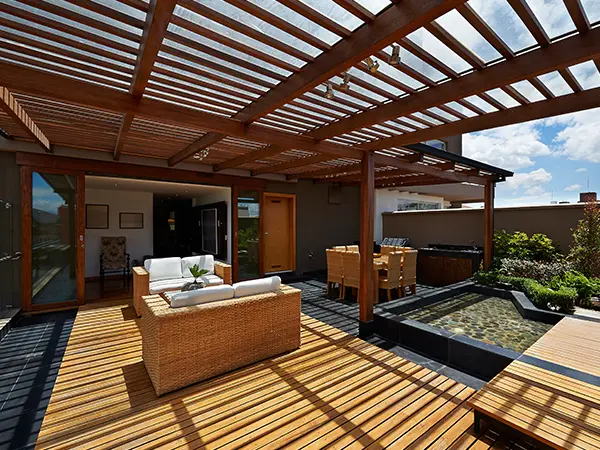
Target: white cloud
(573, 187)
(581, 169)
(526, 188)
(528, 180)
(512, 147)
(580, 139)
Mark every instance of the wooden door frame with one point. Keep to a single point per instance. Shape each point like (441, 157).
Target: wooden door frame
(27, 238)
(292, 243)
(235, 189)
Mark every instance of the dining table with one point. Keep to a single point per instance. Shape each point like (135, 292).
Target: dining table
(379, 264)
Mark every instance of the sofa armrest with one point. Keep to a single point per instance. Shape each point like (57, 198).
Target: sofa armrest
(223, 270)
(141, 287)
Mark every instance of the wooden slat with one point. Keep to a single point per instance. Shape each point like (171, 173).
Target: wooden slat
(300, 162)
(578, 15)
(249, 157)
(570, 79)
(485, 30)
(123, 131)
(531, 22)
(14, 110)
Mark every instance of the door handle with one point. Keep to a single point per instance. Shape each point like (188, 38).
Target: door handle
(17, 256)
(4, 257)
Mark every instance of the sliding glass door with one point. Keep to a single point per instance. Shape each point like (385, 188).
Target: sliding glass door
(247, 236)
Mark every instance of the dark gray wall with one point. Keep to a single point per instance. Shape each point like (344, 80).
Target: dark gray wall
(454, 144)
(10, 191)
(320, 225)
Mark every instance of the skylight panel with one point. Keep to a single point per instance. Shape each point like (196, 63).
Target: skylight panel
(420, 66)
(556, 83)
(266, 28)
(350, 110)
(391, 71)
(375, 6)
(591, 9)
(236, 36)
(480, 103)
(226, 49)
(120, 6)
(553, 15)
(335, 12)
(374, 81)
(432, 45)
(463, 31)
(322, 114)
(442, 113)
(505, 22)
(503, 98)
(412, 122)
(427, 118)
(298, 20)
(461, 109)
(526, 88)
(587, 74)
(398, 125)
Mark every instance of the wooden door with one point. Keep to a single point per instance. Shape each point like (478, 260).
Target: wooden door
(279, 232)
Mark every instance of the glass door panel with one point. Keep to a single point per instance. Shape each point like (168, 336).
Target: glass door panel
(6, 257)
(248, 236)
(54, 238)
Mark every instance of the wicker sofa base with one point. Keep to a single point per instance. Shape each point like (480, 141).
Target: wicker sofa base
(182, 346)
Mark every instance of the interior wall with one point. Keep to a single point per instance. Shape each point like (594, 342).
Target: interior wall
(223, 195)
(10, 191)
(319, 224)
(461, 226)
(139, 242)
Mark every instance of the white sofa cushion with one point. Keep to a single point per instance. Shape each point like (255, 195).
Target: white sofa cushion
(211, 280)
(199, 296)
(156, 287)
(163, 268)
(255, 287)
(206, 262)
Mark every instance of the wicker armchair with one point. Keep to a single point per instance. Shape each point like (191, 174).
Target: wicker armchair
(351, 268)
(409, 272)
(335, 274)
(182, 346)
(392, 278)
(114, 256)
(352, 248)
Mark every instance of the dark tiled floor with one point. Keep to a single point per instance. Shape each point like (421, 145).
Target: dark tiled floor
(30, 356)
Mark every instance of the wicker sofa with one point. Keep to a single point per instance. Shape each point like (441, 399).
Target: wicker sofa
(185, 345)
(168, 274)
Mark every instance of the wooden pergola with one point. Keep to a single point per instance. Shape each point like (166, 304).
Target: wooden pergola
(339, 91)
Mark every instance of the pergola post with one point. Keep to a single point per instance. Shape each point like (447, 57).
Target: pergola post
(488, 225)
(367, 210)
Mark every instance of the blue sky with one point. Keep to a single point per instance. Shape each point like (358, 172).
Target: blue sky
(553, 159)
(43, 196)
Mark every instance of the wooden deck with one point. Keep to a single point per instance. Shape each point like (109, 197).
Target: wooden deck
(553, 392)
(336, 391)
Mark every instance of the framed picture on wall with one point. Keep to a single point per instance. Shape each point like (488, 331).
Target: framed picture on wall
(96, 216)
(131, 221)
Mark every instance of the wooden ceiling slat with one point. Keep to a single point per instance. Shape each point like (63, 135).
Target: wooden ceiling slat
(357, 10)
(561, 54)
(570, 79)
(407, 70)
(520, 98)
(332, 103)
(316, 17)
(333, 113)
(123, 132)
(357, 95)
(485, 30)
(292, 164)
(304, 115)
(109, 12)
(83, 20)
(198, 91)
(467, 104)
(13, 109)
(428, 58)
(244, 29)
(192, 100)
(249, 157)
(453, 112)
(455, 45)
(386, 79)
(369, 87)
(531, 22)
(333, 170)
(200, 144)
(578, 15)
(302, 120)
(280, 23)
(540, 86)
(137, 4)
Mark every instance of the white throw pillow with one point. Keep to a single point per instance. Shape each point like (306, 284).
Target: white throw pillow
(255, 287)
(206, 262)
(199, 296)
(163, 268)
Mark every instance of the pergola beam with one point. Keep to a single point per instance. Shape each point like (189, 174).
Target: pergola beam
(15, 111)
(306, 161)
(334, 170)
(268, 151)
(545, 108)
(157, 21)
(205, 141)
(559, 55)
(578, 15)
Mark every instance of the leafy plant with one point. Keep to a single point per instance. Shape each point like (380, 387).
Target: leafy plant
(518, 245)
(197, 272)
(585, 251)
(585, 287)
(542, 272)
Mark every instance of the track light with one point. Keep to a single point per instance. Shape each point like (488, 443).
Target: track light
(329, 91)
(372, 65)
(395, 56)
(345, 86)
(201, 154)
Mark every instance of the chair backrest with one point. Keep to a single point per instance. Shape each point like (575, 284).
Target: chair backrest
(394, 265)
(409, 267)
(387, 249)
(340, 247)
(352, 248)
(351, 268)
(334, 264)
(113, 249)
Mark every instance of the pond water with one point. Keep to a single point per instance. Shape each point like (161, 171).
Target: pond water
(488, 319)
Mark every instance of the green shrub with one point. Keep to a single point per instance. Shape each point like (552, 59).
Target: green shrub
(518, 245)
(585, 287)
(585, 251)
(543, 272)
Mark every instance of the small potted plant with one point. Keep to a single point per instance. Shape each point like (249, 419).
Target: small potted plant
(196, 273)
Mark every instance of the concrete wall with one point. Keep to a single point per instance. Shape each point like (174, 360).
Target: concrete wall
(320, 225)
(216, 197)
(454, 144)
(139, 242)
(10, 234)
(461, 226)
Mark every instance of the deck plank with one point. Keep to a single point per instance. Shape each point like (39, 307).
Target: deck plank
(335, 391)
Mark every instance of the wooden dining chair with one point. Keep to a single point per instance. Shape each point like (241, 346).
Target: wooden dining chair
(335, 274)
(340, 247)
(409, 272)
(387, 249)
(392, 278)
(352, 248)
(351, 269)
